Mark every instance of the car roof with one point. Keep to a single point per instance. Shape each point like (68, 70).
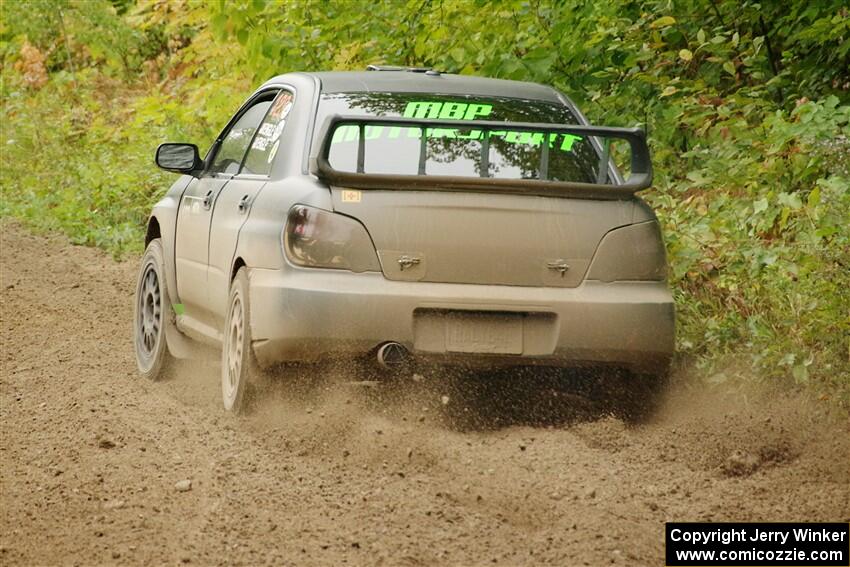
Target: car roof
(420, 82)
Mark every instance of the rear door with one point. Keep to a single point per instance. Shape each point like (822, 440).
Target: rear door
(234, 203)
(198, 205)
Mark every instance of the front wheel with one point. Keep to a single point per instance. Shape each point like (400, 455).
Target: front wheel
(239, 370)
(151, 314)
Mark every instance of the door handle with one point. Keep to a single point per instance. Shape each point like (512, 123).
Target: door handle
(559, 266)
(208, 200)
(408, 262)
(243, 204)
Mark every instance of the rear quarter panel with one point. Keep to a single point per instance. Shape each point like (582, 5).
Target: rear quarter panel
(260, 240)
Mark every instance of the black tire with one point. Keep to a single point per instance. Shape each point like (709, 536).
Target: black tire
(152, 314)
(240, 374)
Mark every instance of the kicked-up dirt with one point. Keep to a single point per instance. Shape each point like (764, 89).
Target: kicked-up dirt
(98, 467)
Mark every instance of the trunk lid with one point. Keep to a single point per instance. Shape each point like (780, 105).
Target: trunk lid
(483, 238)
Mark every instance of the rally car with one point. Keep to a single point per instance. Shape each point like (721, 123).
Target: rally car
(406, 215)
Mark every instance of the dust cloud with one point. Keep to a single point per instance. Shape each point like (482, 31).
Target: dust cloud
(529, 468)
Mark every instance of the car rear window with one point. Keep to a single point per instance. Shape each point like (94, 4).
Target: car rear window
(457, 152)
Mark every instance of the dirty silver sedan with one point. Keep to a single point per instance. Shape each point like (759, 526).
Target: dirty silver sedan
(406, 215)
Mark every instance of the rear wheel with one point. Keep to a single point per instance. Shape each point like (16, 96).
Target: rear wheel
(239, 371)
(151, 314)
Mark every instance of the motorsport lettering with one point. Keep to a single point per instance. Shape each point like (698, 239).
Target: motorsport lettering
(454, 111)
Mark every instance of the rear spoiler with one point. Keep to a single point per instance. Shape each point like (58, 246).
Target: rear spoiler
(640, 178)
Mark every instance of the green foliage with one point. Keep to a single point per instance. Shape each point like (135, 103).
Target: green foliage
(80, 33)
(747, 105)
(759, 243)
(89, 172)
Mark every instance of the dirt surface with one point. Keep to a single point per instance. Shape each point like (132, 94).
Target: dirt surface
(93, 458)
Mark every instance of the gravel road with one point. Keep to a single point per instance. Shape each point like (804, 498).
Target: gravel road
(98, 467)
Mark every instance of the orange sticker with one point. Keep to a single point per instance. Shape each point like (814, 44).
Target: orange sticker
(351, 196)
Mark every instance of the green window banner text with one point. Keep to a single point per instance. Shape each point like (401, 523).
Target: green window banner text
(454, 111)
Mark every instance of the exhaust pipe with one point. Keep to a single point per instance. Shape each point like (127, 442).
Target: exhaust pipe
(392, 355)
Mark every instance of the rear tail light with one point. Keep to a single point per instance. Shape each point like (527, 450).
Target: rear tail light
(631, 253)
(316, 238)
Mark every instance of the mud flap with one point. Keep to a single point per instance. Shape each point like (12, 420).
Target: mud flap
(182, 347)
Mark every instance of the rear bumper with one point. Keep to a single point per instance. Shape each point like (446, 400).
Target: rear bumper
(307, 314)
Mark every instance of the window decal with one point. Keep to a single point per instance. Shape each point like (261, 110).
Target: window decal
(267, 142)
(452, 110)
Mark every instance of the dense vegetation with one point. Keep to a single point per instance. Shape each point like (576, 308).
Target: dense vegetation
(747, 105)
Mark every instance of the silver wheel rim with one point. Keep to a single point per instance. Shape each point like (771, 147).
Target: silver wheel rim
(234, 348)
(149, 321)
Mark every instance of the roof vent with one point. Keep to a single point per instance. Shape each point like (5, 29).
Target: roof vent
(426, 70)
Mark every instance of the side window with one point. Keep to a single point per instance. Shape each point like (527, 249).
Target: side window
(236, 141)
(267, 141)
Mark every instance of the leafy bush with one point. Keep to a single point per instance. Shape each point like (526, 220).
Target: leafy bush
(78, 148)
(89, 172)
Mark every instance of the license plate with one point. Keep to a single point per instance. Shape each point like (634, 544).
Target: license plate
(484, 333)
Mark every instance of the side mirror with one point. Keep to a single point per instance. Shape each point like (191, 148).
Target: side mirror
(179, 158)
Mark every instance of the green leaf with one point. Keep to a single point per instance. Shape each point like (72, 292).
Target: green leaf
(814, 198)
(783, 217)
(791, 200)
(729, 67)
(269, 48)
(800, 373)
(701, 36)
(663, 22)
